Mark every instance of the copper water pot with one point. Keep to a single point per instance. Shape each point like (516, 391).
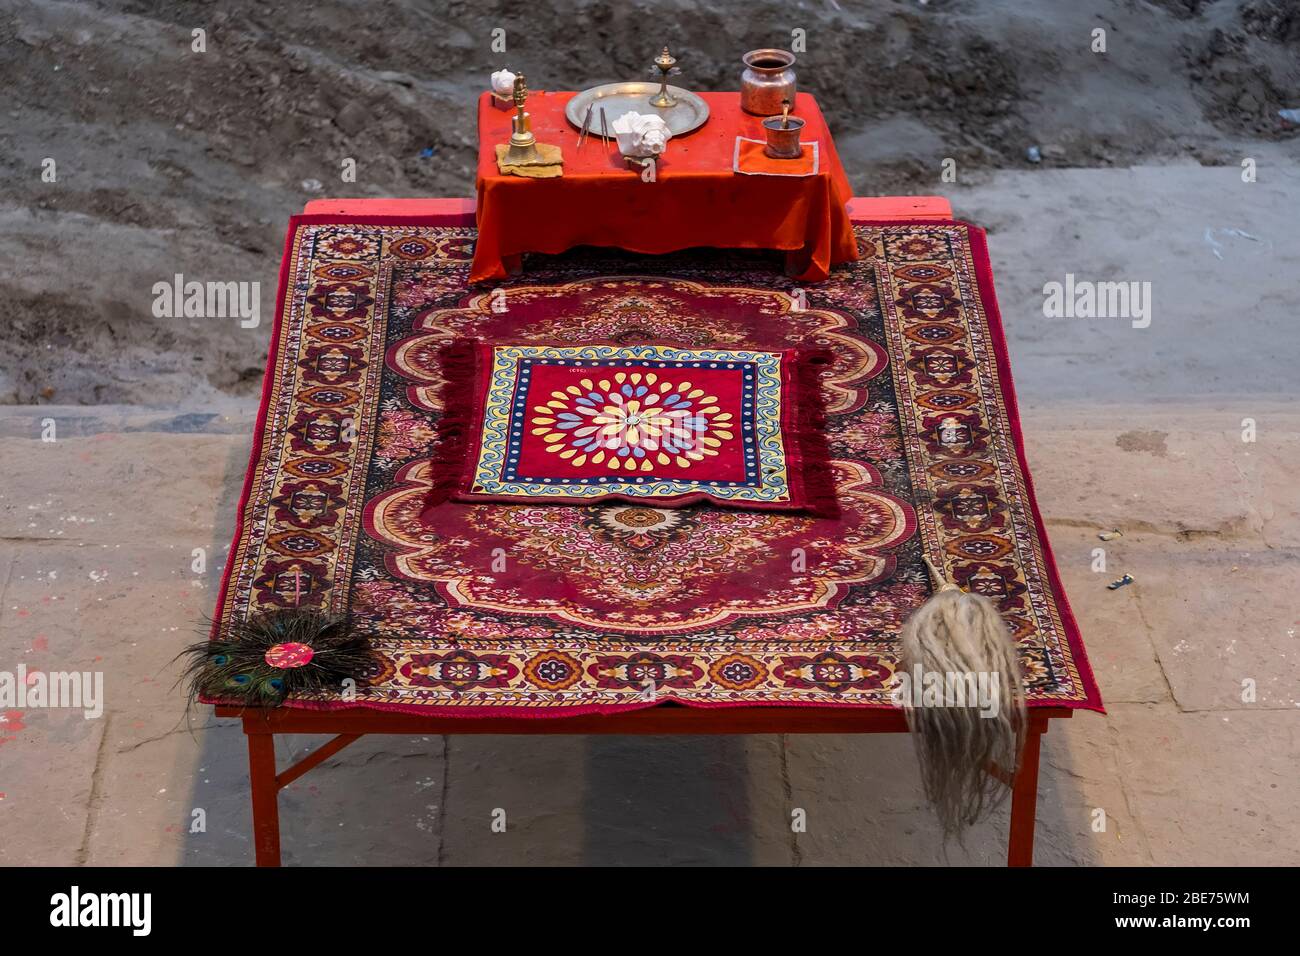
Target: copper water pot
(768, 79)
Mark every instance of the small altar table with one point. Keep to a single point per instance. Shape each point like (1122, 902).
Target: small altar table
(696, 199)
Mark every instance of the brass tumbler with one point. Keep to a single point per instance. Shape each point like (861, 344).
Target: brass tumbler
(783, 137)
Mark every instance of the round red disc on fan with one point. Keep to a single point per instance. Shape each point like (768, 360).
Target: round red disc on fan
(289, 655)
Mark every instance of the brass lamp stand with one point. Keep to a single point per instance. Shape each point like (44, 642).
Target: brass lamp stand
(524, 156)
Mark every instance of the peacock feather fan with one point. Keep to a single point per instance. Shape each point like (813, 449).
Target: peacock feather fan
(261, 660)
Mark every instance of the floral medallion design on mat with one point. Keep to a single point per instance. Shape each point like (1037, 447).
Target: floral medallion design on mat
(557, 607)
(652, 423)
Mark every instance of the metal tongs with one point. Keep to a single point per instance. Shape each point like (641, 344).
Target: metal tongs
(586, 128)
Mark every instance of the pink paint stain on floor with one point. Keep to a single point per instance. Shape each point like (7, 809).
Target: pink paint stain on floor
(40, 643)
(11, 722)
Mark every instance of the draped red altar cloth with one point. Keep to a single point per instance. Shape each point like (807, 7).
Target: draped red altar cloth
(696, 200)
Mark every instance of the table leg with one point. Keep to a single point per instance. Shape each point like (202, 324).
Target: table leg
(1024, 800)
(265, 791)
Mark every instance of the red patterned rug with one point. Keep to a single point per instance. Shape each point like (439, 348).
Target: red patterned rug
(551, 609)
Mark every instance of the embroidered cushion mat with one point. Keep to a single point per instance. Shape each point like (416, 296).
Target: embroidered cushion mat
(655, 424)
(551, 609)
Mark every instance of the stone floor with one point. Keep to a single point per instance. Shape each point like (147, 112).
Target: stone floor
(101, 532)
(97, 562)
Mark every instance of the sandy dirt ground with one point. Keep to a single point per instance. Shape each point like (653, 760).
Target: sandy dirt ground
(170, 161)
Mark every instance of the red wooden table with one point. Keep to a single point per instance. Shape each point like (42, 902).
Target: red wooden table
(696, 199)
(348, 725)
(266, 782)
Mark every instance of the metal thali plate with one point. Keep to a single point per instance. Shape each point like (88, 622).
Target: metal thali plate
(689, 113)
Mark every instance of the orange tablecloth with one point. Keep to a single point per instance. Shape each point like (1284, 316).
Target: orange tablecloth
(697, 199)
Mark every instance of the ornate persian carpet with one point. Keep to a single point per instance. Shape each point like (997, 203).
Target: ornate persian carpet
(528, 609)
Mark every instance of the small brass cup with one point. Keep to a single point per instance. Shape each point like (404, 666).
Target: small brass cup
(783, 137)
